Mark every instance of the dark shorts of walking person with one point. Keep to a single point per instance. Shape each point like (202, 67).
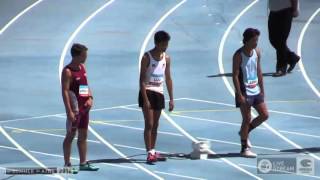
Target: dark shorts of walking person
(251, 100)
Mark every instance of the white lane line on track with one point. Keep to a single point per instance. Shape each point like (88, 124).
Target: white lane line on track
(212, 152)
(227, 123)
(232, 105)
(238, 124)
(75, 33)
(25, 152)
(109, 164)
(125, 146)
(299, 51)
(132, 128)
(154, 28)
(63, 114)
(61, 156)
(18, 16)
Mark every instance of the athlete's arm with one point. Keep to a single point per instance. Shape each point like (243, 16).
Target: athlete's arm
(235, 75)
(143, 70)
(259, 71)
(90, 94)
(295, 9)
(88, 104)
(169, 83)
(66, 81)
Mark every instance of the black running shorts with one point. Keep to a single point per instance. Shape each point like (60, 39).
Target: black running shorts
(156, 100)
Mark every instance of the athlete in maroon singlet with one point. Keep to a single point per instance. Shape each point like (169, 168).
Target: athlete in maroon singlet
(78, 101)
(79, 86)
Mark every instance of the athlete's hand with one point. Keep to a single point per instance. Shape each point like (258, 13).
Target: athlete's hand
(171, 105)
(71, 116)
(295, 13)
(241, 99)
(88, 104)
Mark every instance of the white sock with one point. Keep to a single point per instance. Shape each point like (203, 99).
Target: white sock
(152, 151)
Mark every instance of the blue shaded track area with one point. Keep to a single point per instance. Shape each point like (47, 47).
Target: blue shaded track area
(32, 112)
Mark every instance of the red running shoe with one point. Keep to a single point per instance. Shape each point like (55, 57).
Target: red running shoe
(151, 158)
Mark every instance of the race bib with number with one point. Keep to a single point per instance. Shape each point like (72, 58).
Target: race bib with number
(252, 83)
(84, 90)
(156, 79)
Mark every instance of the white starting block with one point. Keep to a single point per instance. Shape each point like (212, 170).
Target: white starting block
(200, 150)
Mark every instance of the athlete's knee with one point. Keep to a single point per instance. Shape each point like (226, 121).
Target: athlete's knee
(70, 136)
(81, 140)
(148, 125)
(264, 116)
(247, 118)
(67, 140)
(82, 136)
(155, 127)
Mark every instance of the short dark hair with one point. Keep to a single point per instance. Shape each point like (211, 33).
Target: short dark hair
(77, 48)
(250, 33)
(161, 36)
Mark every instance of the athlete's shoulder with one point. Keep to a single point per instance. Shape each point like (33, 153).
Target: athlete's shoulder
(83, 66)
(146, 55)
(66, 69)
(66, 72)
(167, 56)
(258, 51)
(145, 60)
(237, 54)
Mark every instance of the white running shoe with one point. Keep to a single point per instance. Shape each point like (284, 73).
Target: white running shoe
(247, 153)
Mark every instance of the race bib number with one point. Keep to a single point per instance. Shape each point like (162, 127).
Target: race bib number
(84, 90)
(156, 79)
(252, 83)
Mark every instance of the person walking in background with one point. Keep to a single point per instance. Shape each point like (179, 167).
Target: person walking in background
(279, 25)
